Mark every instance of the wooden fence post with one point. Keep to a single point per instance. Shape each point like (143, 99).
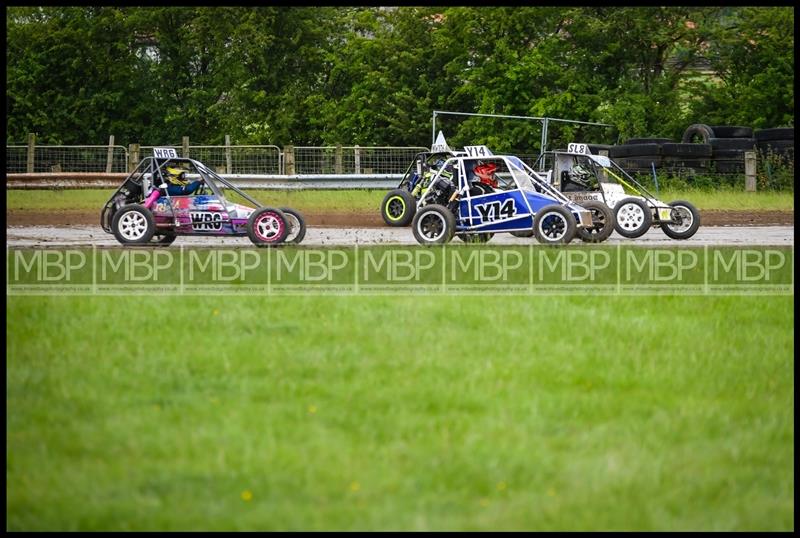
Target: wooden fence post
(750, 171)
(357, 157)
(337, 161)
(228, 165)
(110, 156)
(133, 156)
(31, 152)
(288, 159)
(185, 143)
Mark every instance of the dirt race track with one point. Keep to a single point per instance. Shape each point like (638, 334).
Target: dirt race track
(373, 220)
(76, 228)
(75, 236)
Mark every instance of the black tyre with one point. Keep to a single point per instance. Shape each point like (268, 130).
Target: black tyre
(686, 150)
(597, 148)
(602, 223)
(133, 224)
(643, 162)
(523, 233)
(745, 144)
(732, 131)
(476, 238)
(434, 224)
(297, 225)
(688, 220)
(685, 162)
(632, 217)
(267, 226)
(778, 133)
(647, 141)
(554, 225)
(635, 150)
(699, 132)
(398, 207)
(776, 146)
(165, 240)
(729, 154)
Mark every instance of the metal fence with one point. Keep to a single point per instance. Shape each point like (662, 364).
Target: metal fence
(231, 159)
(20, 159)
(353, 159)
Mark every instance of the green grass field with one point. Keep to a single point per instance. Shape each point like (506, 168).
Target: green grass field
(369, 201)
(359, 413)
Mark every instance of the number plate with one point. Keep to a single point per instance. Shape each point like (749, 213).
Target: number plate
(665, 213)
(583, 149)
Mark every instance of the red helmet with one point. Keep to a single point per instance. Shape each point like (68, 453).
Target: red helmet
(485, 173)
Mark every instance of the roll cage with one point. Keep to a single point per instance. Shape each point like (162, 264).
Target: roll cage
(151, 173)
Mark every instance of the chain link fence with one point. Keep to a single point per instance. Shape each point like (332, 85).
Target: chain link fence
(66, 159)
(353, 159)
(231, 159)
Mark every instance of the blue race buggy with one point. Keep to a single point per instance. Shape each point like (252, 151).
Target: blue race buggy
(515, 199)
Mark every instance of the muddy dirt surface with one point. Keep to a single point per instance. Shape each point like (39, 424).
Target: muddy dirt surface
(372, 220)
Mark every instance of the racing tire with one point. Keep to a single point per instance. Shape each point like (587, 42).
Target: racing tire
(133, 224)
(554, 225)
(635, 150)
(523, 233)
(647, 141)
(777, 133)
(685, 230)
(267, 226)
(698, 132)
(434, 224)
(632, 218)
(475, 238)
(398, 207)
(165, 240)
(297, 225)
(601, 214)
(686, 150)
(744, 144)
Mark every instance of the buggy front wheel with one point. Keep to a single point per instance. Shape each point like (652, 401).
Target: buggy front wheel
(602, 223)
(553, 225)
(267, 226)
(632, 218)
(298, 225)
(434, 224)
(398, 207)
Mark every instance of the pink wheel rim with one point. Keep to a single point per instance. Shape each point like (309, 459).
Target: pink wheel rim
(268, 227)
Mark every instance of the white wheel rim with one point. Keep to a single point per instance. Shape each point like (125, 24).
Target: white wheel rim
(686, 219)
(553, 230)
(431, 226)
(132, 225)
(630, 217)
(294, 227)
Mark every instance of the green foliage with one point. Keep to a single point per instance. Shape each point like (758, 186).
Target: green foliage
(373, 75)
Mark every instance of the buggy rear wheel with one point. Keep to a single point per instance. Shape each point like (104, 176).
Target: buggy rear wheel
(398, 207)
(688, 220)
(602, 223)
(133, 224)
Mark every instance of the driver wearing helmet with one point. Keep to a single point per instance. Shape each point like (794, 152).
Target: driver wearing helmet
(578, 179)
(178, 184)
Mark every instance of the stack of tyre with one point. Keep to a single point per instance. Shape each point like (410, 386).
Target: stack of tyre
(778, 141)
(728, 144)
(641, 155)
